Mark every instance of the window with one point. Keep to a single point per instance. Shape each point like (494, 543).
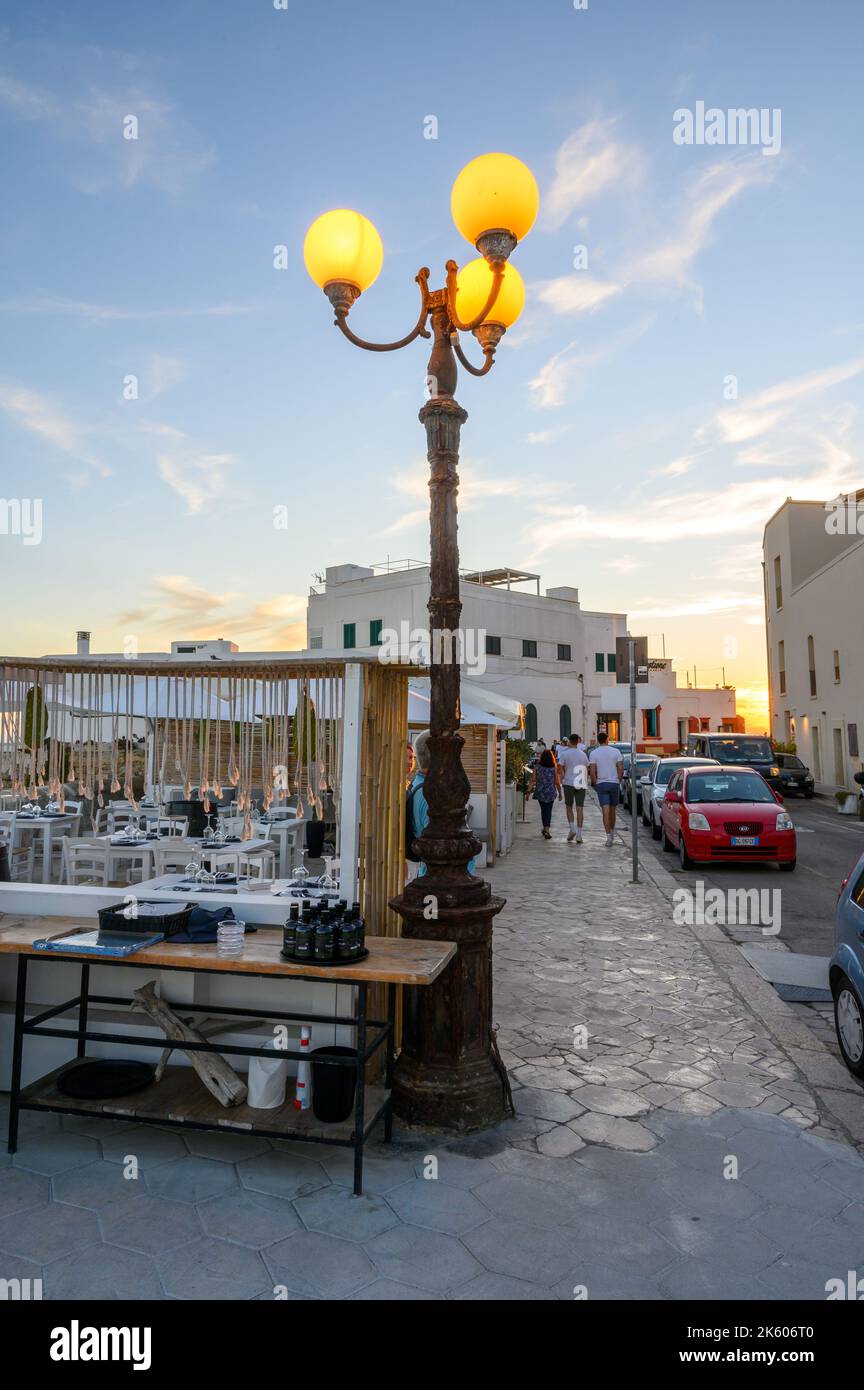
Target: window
(349, 635)
(529, 648)
(781, 662)
(651, 723)
(565, 721)
(316, 638)
(811, 662)
(564, 651)
(599, 664)
(610, 662)
(704, 723)
(375, 626)
(531, 723)
(493, 645)
(836, 668)
(778, 583)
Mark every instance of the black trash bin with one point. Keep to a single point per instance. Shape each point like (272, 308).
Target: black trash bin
(332, 1087)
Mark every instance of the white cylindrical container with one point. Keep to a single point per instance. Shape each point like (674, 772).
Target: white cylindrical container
(267, 1080)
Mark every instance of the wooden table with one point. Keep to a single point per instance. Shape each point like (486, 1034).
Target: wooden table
(180, 1099)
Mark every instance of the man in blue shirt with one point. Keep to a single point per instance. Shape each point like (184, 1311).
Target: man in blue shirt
(419, 804)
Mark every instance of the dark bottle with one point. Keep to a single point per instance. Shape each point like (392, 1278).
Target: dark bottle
(325, 943)
(361, 927)
(304, 938)
(289, 932)
(346, 939)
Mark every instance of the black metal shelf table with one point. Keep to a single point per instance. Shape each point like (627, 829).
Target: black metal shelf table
(180, 1099)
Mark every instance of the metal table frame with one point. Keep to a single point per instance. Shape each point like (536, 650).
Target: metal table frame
(371, 1035)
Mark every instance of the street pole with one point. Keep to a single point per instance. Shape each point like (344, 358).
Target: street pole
(634, 830)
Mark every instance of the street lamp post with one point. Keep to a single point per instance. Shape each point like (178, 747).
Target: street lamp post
(449, 1074)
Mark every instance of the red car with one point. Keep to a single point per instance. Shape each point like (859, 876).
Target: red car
(716, 813)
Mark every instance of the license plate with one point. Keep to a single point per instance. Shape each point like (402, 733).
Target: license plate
(745, 839)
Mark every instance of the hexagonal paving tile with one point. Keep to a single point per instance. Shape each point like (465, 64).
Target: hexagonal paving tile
(148, 1144)
(192, 1179)
(46, 1233)
(20, 1190)
(389, 1291)
(54, 1151)
(427, 1259)
(610, 1100)
(380, 1175)
(230, 1148)
(318, 1265)
(546, 1105)
(530, 1201)
(99, 1186)
(614, 1131)
(103, 1273)
(210, 1269)
(497, 1288)
(737, 1245)
(249, 1218)
(281, 1174)
(458, 1169)
(152, 1224)
(337, 1212)
(537, 1254)
(436, 1204)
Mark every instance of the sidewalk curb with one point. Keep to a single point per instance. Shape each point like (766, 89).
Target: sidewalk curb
(838, 1095)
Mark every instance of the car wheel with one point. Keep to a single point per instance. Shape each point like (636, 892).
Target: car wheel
(787, 866)
(849, 1023)
(667, 843)
(683, 857)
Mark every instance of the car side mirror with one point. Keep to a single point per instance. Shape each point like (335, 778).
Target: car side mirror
(778, 798)
(672, 796)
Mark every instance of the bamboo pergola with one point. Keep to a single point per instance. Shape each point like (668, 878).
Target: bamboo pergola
(215, 725)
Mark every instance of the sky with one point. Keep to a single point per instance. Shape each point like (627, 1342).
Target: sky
(172, 387)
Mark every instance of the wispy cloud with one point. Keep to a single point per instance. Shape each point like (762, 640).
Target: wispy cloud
(34, 412)
(556, 380)
(110, 313)
(195, 476)
(590, 162)
(175, 601)
(764, 412)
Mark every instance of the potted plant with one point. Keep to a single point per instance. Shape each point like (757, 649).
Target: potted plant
(847, 802)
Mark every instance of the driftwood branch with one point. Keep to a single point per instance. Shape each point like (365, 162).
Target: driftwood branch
(220, 1079)
(208, 1028)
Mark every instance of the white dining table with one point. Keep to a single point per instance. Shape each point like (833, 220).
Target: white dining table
(46, 826)
(186, 845)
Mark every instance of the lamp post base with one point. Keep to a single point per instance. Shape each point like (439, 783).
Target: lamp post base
(448, 1075)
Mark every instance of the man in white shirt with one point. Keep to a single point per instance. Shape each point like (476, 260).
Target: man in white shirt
(606, 768)
(573, 762)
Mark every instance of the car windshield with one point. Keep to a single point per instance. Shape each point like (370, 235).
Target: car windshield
(726, 786)
(795, 763)
(743, 750)
(665, 770)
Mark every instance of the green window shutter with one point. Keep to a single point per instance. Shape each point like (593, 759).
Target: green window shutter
(598, 661)
(611, 663)
(375, 627)
(349, 635)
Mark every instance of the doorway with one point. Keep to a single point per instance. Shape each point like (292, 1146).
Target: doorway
(610, 724)
(817, 754)
(839, 760)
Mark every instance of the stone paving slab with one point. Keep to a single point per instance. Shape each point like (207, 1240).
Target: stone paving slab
(679, 1133)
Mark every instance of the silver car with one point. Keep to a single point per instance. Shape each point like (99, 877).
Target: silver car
(653, 787)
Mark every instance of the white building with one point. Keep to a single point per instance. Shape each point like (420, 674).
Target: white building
(542, 649)
(813, 562)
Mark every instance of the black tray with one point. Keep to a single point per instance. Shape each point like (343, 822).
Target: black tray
(353, 961)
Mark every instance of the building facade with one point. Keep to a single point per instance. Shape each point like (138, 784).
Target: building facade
(540, 648)
(813, 566)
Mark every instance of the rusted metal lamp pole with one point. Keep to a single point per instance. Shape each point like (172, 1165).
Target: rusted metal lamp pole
(448, 1075)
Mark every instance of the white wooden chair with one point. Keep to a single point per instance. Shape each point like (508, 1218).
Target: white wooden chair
(261, 863)
(84, 861)
(170, 861)
(22, 861)
(171, 825)
(128, 858)
(119, 815)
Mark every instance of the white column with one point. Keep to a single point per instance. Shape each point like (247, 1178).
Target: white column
(349, 800)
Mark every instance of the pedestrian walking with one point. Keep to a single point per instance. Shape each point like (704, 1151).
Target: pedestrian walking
(605, 768)
(573, 763)
(546, 787)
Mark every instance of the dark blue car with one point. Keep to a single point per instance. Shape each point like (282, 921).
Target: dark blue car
(846, 971)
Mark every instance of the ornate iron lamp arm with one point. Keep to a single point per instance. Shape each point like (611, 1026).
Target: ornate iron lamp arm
(497, 268)
(418, 331)
(488, 353)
